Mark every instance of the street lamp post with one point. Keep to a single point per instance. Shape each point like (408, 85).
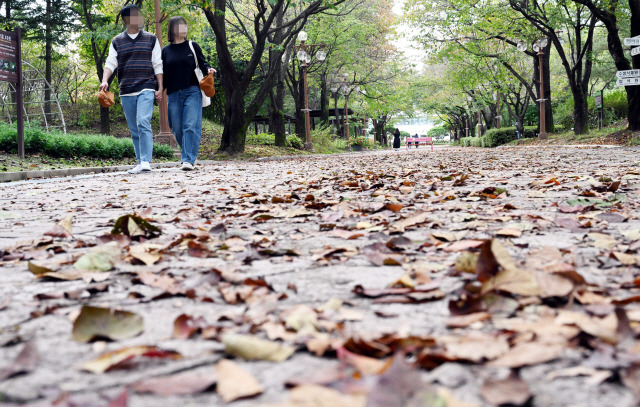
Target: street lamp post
(334, 90)
(304, 56)
(165, 136)
(538, 47)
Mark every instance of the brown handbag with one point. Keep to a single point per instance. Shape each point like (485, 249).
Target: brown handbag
(207, 85)
(105, 99)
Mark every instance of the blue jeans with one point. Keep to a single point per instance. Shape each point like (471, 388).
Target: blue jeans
(138, 111)
(185, 120)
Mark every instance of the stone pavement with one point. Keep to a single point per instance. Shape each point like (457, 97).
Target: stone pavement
(309, 228)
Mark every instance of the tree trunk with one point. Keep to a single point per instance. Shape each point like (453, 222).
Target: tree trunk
(235, 126)
(633, 92)
(324, 100)
(301, 129)
(48, 55)
(580, 112)
(105, 126)
(276, 119)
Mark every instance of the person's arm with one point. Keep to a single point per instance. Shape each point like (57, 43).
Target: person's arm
(202, 63)
(109, 68)
(156, 60)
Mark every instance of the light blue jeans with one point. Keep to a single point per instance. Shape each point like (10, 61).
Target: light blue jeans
(138, 111)
(185, 120)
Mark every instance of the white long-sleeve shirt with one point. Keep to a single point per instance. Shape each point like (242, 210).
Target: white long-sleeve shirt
(156, 60)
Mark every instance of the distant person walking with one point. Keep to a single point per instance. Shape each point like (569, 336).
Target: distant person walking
(396, 139)
(137, 57)
(185, 99)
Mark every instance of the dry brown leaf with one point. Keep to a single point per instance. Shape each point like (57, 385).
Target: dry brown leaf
(311, 395)
(529, 353)
(252, 348)
(511, 391)
(177, 384)
(235, 383)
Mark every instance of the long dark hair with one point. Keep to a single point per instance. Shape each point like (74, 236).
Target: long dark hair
(397, 132)
(173, 23)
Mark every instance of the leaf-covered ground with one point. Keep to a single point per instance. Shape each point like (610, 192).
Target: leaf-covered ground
(458, 277)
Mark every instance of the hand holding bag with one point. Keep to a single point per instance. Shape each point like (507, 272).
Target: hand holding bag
(206, 101)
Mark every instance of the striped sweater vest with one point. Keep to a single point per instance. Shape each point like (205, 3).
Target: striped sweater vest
(135, 69)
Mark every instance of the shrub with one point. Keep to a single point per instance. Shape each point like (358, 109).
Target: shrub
(61, 145)
(295, 142)
(496, 137)
(262, 139)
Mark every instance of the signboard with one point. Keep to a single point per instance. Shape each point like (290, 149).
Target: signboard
(631, 73)
(631, 42)
(11, 71)
(9, 57)
(635, 51)
(598, 101)
(628, 82)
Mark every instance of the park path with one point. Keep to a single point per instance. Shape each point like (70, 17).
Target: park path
(501, 268)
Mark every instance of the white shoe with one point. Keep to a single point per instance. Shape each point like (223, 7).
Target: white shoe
(135, 170)
(187, 166)
(145, 166)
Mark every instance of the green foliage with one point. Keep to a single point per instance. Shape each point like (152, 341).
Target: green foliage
(264, 139)
(497, 137)
(295, 142)
(58, 144)
(362, 141)
(437, 132)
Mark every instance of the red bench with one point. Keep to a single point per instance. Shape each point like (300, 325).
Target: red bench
(416, 141)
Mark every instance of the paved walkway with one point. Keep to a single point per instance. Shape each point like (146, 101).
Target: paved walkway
(314, 229)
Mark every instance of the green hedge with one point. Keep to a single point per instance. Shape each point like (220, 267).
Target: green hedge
(58, 144)
(269, 139)
(497, 137)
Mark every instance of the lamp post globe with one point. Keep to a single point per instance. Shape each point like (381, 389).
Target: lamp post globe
(302, 36)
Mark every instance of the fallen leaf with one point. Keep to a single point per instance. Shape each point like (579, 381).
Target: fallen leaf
(100, 258)
(235, 383)
(62, 228)
(313, 395)
(529, 353)
(104, 323)
(252, 348)
(177, 384)
(116, 359)
(511, 391)
(24, 362)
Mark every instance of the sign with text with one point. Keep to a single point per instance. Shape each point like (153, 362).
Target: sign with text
(628, 82)
(635, 51)
(9, 56)
(631, 73)
(630, 42)
(598, 101)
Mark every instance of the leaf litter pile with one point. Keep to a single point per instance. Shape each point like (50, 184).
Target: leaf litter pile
(454, 278)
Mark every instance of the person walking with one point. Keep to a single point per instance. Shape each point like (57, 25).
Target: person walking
(137, 57)
(396, 140)
(185, 98)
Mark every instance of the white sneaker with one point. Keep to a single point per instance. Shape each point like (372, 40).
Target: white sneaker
(135, 170)
(187, 166)
(145, 166)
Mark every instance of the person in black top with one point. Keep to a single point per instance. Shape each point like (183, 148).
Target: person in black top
(396, 139)
(183, 90)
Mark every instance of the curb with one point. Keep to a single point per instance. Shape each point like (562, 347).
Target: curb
(69, 172)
